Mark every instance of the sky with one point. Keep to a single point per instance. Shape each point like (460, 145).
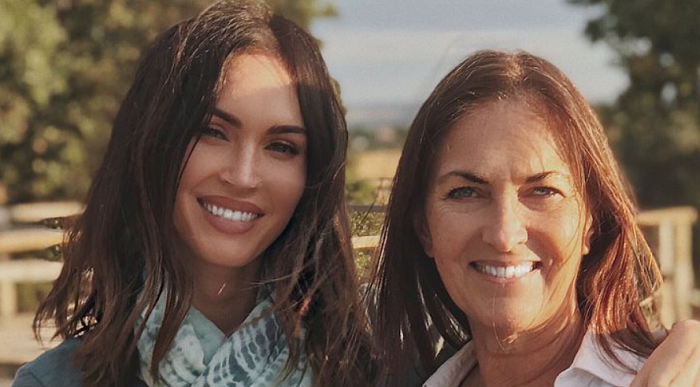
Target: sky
(385, 52)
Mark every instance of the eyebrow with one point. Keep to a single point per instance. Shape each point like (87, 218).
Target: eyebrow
(281, 129)
(543, 175)
(277, 129)
(464, 175)
(475, 178)
(227, 117)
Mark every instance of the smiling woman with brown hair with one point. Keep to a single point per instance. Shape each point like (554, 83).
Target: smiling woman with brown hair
(510, 230)
(214, 248)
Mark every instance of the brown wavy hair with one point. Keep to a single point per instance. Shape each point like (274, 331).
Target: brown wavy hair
(118, 254)
(615, 276)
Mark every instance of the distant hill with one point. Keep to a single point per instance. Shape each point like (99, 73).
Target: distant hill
(371, 116)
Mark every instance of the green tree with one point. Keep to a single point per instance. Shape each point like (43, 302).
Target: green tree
(654, 125)
(65, 65)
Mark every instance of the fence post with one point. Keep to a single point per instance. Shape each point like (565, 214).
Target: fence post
(683, 281)
(665, 258)
(8, 299)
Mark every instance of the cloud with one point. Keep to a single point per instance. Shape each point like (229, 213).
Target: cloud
(403, 65)
(459, 14)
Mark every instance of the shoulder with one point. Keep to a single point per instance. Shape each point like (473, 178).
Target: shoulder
(53, 368)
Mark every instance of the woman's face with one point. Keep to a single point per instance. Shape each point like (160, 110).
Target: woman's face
(503, 219)
(247, 173)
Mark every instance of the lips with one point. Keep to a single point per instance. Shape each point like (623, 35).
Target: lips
(504, 270)
(230, 216)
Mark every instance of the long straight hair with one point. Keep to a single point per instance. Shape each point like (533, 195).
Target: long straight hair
(615, 276)
(118, 258)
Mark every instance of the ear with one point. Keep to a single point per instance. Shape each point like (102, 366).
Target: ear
(587, 235)
(420, 227)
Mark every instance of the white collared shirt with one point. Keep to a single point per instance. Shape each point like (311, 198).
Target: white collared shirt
(591, 367)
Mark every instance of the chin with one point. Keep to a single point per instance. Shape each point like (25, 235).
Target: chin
(225, 259)
(509, 318)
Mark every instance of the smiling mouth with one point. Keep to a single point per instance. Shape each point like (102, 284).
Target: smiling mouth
(506, 272)
(229, 214)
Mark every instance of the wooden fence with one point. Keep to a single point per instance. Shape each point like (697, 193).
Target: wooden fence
(668, 230)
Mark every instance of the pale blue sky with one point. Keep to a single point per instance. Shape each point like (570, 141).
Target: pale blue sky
(395, 51)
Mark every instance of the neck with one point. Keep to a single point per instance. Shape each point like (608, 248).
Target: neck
(225, 296)
(532, 358)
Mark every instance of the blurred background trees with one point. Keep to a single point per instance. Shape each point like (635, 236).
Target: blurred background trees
(654, 125)
(65, 66)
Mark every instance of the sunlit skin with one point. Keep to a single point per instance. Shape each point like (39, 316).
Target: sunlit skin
(507, 229)
(250, 160)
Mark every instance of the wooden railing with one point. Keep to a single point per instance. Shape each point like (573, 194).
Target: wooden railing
(21, 231)
(668, 230)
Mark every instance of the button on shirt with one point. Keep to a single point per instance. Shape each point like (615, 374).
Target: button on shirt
(591, 367)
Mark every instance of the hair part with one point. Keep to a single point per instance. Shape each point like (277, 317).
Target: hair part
(118, 258)
(619, 272)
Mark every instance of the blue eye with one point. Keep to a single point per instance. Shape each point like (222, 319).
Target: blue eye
(283, 147)
(462, 193)
(545, 191)
(213, 132)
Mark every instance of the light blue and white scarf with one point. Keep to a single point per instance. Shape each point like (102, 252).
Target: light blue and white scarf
(202, 356)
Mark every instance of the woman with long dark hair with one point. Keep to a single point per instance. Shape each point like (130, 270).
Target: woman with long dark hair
(511, 236)
(214, 247)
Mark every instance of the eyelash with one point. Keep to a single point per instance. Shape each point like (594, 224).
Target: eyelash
(549, 191)
(459, 192)
(213, 132)
(455, 193)
(283, 147)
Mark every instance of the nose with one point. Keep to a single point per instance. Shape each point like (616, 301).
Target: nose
(242, 169)
(506, 228)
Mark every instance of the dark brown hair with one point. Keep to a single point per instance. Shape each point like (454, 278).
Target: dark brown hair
(617, 274)
(118, 254)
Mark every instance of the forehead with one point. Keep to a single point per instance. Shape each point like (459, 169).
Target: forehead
(253, 72)
(257, 89)
(501, 139)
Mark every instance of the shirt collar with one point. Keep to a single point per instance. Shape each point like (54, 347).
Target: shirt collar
(590, 359)
(455, 369)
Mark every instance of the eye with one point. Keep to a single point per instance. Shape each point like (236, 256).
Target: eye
(545, 191)
(284, 147)
(462, 193)
(213, 132)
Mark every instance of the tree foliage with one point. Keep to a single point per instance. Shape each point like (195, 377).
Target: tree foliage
(65, 65)
(654, 124)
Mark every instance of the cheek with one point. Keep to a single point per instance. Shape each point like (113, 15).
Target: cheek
(198, 163)
(453, 242)
(559, 232)
(560, 247)
(452, 233)
(287, 184)
(569, 235)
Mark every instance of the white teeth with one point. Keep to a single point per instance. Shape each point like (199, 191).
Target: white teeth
(228, 214)
(515, 271)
